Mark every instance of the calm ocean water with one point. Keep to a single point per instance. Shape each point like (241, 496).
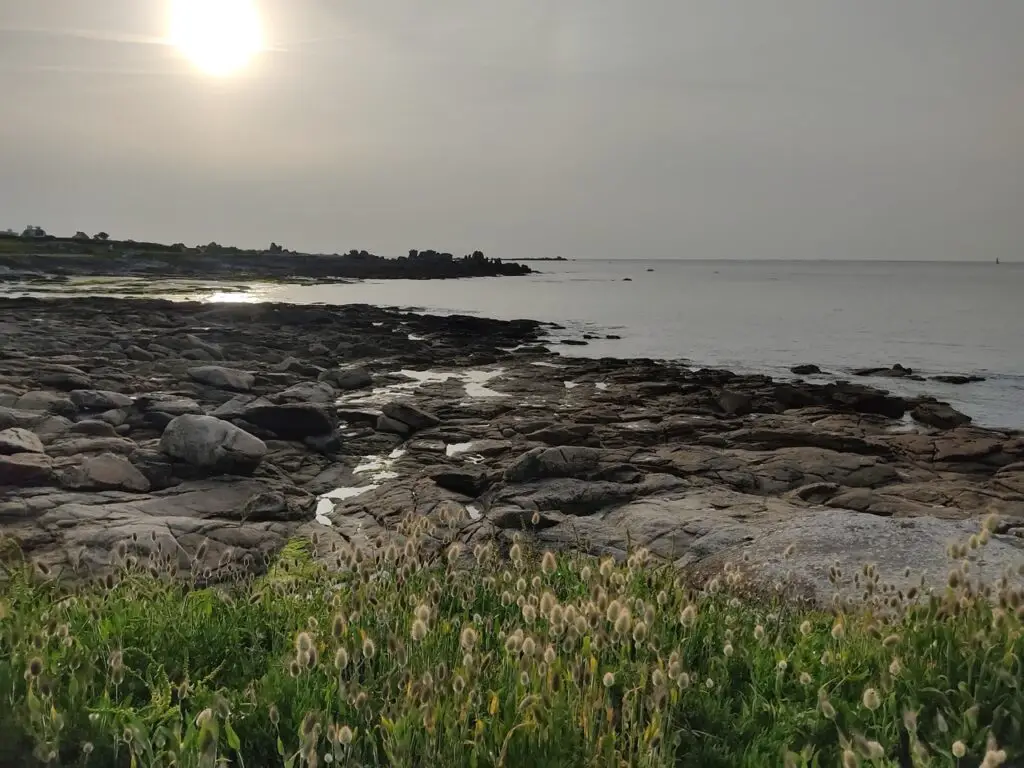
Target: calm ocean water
(753, 316)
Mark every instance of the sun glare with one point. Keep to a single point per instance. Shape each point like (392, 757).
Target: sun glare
(218, 36)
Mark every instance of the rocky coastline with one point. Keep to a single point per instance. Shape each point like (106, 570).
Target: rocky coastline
(46, 263)
(209, 435)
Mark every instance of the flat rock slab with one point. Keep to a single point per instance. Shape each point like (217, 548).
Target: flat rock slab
(106, 472)
(223, 378)
(25, 470)
(18, 440)
(99, 400)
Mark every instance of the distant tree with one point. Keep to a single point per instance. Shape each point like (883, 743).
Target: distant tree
(103, 236)
(413, 253)
(80, 236)
(33, 231)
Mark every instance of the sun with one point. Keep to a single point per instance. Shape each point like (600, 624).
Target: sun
(218, 36)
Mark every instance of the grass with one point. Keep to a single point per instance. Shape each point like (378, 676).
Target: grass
(468, 659)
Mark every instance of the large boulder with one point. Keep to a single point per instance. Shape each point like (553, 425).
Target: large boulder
(346, 379)
(65, 377)
(307, 392)
(50, 402)
(407, 413)
(106, 472)
(212, 444)
(938, 415)
(805, 369)
(26, 469)
(18, 440)
(223, 378)
(291, 421)
(99, 400)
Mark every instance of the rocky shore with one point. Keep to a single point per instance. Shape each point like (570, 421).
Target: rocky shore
(208, 435)
(32, 264)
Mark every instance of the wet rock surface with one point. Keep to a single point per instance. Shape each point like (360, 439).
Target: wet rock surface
(334, 423)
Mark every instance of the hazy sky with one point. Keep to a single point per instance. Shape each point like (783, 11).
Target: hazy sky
(580, 128)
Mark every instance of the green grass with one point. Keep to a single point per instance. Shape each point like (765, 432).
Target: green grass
(533, 661)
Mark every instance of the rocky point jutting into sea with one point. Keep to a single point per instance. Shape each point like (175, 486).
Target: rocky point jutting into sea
(218, 432)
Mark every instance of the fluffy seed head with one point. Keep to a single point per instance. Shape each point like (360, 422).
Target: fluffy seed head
(870, 699)
(548, 563)
(418, 631)
(468, 639)
(608, 679)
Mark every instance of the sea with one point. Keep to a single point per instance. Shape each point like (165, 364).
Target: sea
(747, 316)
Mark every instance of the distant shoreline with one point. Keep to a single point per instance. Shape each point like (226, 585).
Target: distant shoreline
(28, 257)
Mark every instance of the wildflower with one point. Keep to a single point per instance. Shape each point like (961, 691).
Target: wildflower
(468, 639)
(516, 554)
(683, 681)
(622, 623)
(550, 655)
(850, 759)
(875, 750)
(759, 633)
(805, 678)
(548, 564)
(303, 642)
(895, 667)
(529, 647)
(275, 716)
(614, 609)
(458, 684)
(585, 573)
(870, 699)
(524, 678)
(345, 735)
(657, 678)
(547, 603)
(607, 565)
(341, 658)
(418, 631)
(727, 650)
(890, 641)
(991, 523)
(35, 666)
(994, 758)
(782, 666)
(203, 717)
(959, 749)
(529, 613)
(640, 631)
(535, 582)
(608, 679)
(838, 631)
(827, 709)
(87, 748)
(689, 615)
(369, 649)
(709, 684)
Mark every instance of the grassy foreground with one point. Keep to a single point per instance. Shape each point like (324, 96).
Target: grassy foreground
(468, 659)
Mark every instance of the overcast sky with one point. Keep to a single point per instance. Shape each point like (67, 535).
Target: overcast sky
(578, 128)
